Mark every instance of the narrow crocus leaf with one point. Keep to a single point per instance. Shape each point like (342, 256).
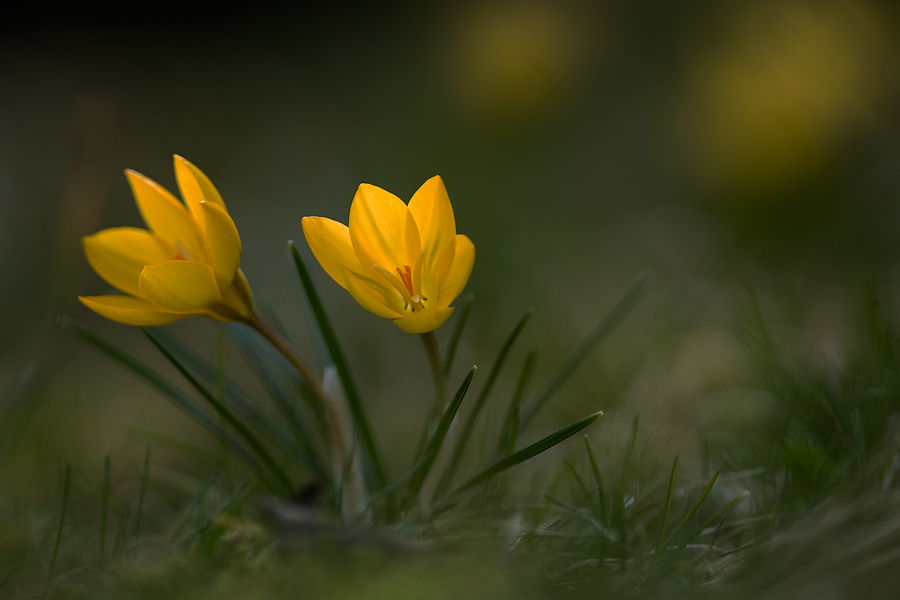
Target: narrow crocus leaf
(461, 320)
(166, 387)
(463, 439)
(690, 513)
(668, 508)
(506, 443)
(280, 380)
(360, 420)
(229, 417)
(606, 326)
(529, 452)
(300, 448)
(437, 438)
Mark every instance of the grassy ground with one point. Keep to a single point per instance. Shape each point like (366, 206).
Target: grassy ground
(799, 502)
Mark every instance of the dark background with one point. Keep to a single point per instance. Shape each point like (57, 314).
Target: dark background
(725, 146)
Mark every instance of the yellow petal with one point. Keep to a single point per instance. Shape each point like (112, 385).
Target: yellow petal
(368, 297)
(195, 186)
(460, 269)
(330, 244)
(382, 230)
(423, 321)
(164, 214)
(119, 254)
(223, 242)
(130, 310)
(180, 285)
(431, 209)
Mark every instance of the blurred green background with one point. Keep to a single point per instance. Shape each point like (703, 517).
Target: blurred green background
(723, 145)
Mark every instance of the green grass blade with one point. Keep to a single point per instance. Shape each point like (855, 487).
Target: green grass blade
(632, 443)
(461, 442)
(668, 508)
(581, 486)
(164, 386)
(464, 311)
(598, 480)
(606, 326)
(529, 452)
(145, 475)
(196, 499)
(690, 513)
(104, 507)
(506, 445)
(385, 492)
(299, 446)
(725, 509)
(67, 482)
(437, 438)
(372, 460)
(229, 417)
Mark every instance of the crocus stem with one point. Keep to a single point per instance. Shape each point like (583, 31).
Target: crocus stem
(433, 352)
(336, 435)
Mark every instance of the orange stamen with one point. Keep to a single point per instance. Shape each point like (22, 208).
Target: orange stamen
(406, 278)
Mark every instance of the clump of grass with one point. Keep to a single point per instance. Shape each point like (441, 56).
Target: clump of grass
(821, 472)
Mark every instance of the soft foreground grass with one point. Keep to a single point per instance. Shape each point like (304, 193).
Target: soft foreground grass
(803, 502)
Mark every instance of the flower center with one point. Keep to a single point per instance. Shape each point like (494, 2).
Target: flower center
(182, 253)
(406, 278)
(405, 282)
(413, 300)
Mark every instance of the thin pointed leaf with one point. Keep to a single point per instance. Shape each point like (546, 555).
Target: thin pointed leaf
(529, 452)
(437, 438)
(690, 513)
(722, 511)
(601, 490)
(62, 520)
(603, 328)
(464, 311)
(575, 475)
(668, 507)
(104, 506)
(461, 442)
(390, 488)
(298, 446)
(145, 475)
(229, 417)
(279, 378)
(165, 438)
(372, 462)
(163, 385)
(632, 442)
(507, 442)
(196, 499)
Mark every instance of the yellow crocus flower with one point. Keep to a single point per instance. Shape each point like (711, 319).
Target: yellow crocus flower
(405, 263)
(186, 264)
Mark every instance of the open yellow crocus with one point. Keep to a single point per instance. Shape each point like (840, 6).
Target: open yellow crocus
(186, 264)
(403, 262)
